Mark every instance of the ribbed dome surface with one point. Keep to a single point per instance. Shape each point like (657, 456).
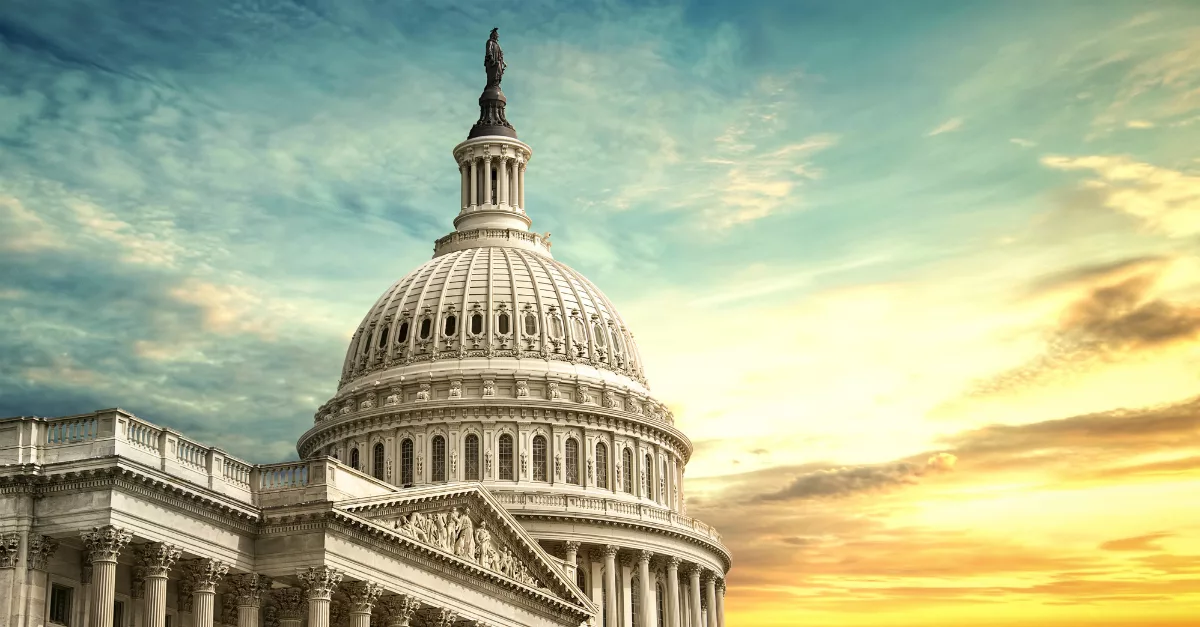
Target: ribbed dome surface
(493, 302)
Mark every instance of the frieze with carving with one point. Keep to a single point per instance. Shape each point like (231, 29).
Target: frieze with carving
(456, 533)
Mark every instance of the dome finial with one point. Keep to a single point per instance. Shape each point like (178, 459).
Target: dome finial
(492, 101)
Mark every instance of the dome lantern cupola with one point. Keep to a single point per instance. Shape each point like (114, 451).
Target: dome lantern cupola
(491, 164)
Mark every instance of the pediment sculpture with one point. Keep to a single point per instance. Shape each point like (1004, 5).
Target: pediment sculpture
(457, 534)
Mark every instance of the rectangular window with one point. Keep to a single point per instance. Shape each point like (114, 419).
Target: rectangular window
(60, 604)
(119, 614)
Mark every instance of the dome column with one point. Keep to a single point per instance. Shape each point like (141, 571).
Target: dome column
(502, 181)
(487, 181)
(464, 174)
(474, 184)
(672, 600)
(694, 589)
(521, 185)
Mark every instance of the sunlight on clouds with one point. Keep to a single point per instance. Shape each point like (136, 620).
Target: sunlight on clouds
(1165, 200)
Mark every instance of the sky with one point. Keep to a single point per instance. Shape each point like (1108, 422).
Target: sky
(919, 279)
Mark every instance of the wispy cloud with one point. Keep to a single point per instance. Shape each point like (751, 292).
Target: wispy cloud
(949, 126)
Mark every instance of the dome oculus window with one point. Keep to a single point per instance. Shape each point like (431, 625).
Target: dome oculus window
(503, 324)
(616, 344)
(530, 324)
(476, 323)
(599, 334)
(402, 334)
(556, 327)
(451, 325)
(577, 328)
(383, 337)
(426, 328)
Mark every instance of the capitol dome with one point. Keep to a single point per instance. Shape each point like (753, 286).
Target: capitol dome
(497, 365)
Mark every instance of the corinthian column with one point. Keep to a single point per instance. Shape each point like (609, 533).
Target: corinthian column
(41, 549)
(721, 603)
(320, 582)
(521, 185)
(156, 560)
(204, 575)
(249, 588)
(572, 556)
(694, 588)
(643, 561)
(363, 595)
(399, 609)
(710, 597)
(104, 544)
(502, 181)
(487, 180)
(290, 602)
(474, 199)
(610, 584)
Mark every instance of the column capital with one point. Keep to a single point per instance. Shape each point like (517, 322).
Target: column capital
(711, 578)
(444, 617)
(185, 588)
(363, 595)
(137, 582)
(399, 609)
(320, 581)
(721, 585)
(643, 557)
(290, 601)
(157, 558)
(249, 588)
(41, 549)
(205, 573)
(573, 545)
(673, 562)
(85, 568)
(694, 571)
(610, 550)
(105, 543)
(10, 549)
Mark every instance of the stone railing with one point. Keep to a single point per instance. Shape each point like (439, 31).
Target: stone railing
(113, 432)
(467, 239)
(591, 505)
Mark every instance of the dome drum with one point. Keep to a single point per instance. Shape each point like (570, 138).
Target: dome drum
(492, 175)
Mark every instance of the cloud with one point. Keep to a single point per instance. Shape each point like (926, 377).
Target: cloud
(1024, 143)
(845, 481)
(1164, 200)
(1148, 542)
(1139, 124)
(1117, 316)
(949, 126)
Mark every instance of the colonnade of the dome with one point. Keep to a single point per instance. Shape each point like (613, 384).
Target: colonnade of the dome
(492, 183)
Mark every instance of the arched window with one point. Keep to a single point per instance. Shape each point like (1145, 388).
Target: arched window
(530, 324)
(658, 605)
(402, 334)
(426, 328)
(648, 478)
(383, 335)
(598, 333)
(539, 458)
(602, 465)
(377, 461)
(572, 456)
(503, 323)
(506, 457)
(406, 462)
(581, 578)
(635, 601)
(627, 463)
(439, 458)
(476, 323)
(451, 326)
(471, 447)
(354, 458)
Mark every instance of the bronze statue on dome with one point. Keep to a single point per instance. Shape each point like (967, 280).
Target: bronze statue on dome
(493, 59)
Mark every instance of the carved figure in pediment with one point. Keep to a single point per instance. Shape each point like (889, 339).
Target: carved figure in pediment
(464, 543)
(483, 546)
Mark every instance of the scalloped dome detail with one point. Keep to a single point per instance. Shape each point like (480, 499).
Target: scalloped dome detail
(493, 302)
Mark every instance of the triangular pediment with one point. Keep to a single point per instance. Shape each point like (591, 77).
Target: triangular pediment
(466, 522)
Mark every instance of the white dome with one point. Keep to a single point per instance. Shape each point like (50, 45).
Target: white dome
(495, 303)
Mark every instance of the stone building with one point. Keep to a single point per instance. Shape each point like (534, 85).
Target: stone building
(492, 456)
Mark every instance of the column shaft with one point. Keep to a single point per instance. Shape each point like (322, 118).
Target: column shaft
(156, 601)
(474, 182)
(318, 612)
(104, 592)
(694, 588)
(648, 600)
(502, 182)
(673, 593)
(248, 615)
(572, 559)
(464, 175)
(487, 180)
(521, 185)
(610, 586)
(710, 594)
(360, 619)
(721, 605)
(203, 604)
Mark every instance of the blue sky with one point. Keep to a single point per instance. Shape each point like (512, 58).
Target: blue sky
(864, 232)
